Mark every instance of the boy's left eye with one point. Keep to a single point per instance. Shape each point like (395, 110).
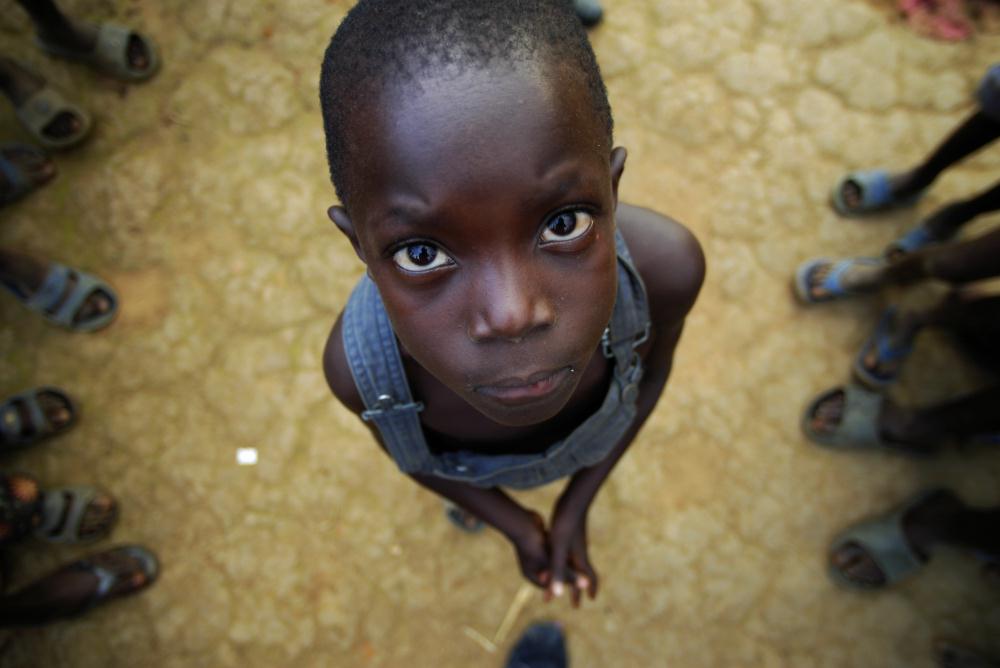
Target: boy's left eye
(567, 226)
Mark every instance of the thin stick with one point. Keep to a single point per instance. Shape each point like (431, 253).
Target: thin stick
(521, 599)
(479, 639)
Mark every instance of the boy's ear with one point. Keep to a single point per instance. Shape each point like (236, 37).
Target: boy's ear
(618, 155)
(338, 215)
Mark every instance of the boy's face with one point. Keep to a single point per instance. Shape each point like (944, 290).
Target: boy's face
(483, 205)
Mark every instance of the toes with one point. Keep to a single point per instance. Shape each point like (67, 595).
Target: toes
(851, 194)
(138, 57)
(65, 124)
(98, 303)
(99, 516)
(857, 565)
(56, 409)
(828, 412)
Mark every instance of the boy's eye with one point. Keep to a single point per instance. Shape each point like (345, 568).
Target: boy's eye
(419, 257)
(567, 226)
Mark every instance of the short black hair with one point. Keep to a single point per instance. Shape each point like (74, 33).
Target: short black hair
(386, 40)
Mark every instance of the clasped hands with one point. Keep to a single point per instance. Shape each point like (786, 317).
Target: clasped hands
(555, 558)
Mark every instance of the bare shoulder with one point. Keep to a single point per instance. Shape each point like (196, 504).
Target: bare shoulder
(338, 371)
(669, 259)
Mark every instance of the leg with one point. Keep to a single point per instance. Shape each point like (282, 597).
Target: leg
(79, 586)
(939, 518)
(974, 133)
(55, 28)
(955, 263)
(947, 220)
(886, 351)
(916, 430)
(24, 275)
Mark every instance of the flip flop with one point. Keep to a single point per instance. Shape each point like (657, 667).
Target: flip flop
(55, 529)
(883, 539)
(46, 300)
(110, 53)
(881, 342)
(107, 578)
(858, 426)
(832, 283)
(913, 240)
(19, 181)
(38, 426)
(41, 108)
(463, 519)
(876, 193)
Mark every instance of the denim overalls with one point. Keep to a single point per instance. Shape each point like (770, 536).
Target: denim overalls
(373, 355)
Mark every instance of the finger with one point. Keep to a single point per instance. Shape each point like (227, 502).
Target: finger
(544, 578)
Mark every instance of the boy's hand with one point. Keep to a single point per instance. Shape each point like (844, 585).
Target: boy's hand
(568, 546)
(531, 545)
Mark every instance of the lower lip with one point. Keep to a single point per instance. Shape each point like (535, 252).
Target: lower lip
(523, 394)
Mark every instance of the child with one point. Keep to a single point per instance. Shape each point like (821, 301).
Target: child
(504, 336)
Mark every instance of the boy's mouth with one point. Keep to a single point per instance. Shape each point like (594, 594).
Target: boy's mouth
(518, 390)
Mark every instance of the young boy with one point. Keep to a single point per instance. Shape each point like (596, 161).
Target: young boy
(504, 336)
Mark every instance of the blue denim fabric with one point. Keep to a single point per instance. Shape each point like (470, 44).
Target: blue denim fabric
(373, 356)
(988, 93)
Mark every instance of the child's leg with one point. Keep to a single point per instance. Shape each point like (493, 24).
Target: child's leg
(24, 275)
(920, 430)
(75, 588)
(956, 263)
(972, 315)
(974, 133)
(57, 29)
(939, 519)
(947, 220)
(19, 84)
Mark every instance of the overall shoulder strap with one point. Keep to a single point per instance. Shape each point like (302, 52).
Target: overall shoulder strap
(630, 320)
(377, 369)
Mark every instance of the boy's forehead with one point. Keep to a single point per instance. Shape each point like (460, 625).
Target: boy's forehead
(482, 116)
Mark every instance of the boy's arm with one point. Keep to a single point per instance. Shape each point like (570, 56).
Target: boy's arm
(672, 265)
(525, 529)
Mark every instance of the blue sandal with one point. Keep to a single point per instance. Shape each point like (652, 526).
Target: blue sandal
(876, 193)
(17, 432)
(832, 284)
(885, 351)
(19, 181)
(46, 300)
(912, 241)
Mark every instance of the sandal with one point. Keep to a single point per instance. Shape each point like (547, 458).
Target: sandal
(41, 108)
(19, 180)
(110, 53)
(62, 515)
(18, 432)
(832, 284)
(881, 342)
(884, 540)
(913, 240)
(858, 426)
(111, 576)
(51, 301)
(463, 519)
(876, 193)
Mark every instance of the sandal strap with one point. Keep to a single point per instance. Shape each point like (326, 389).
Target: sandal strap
(884, 540)
(51, 290)
(54, 509)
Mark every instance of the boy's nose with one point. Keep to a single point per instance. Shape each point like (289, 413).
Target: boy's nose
(511, 306)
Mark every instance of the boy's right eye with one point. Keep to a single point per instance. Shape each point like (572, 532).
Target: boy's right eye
(421, 257)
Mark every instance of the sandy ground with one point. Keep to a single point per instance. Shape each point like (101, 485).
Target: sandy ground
(202, 197)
